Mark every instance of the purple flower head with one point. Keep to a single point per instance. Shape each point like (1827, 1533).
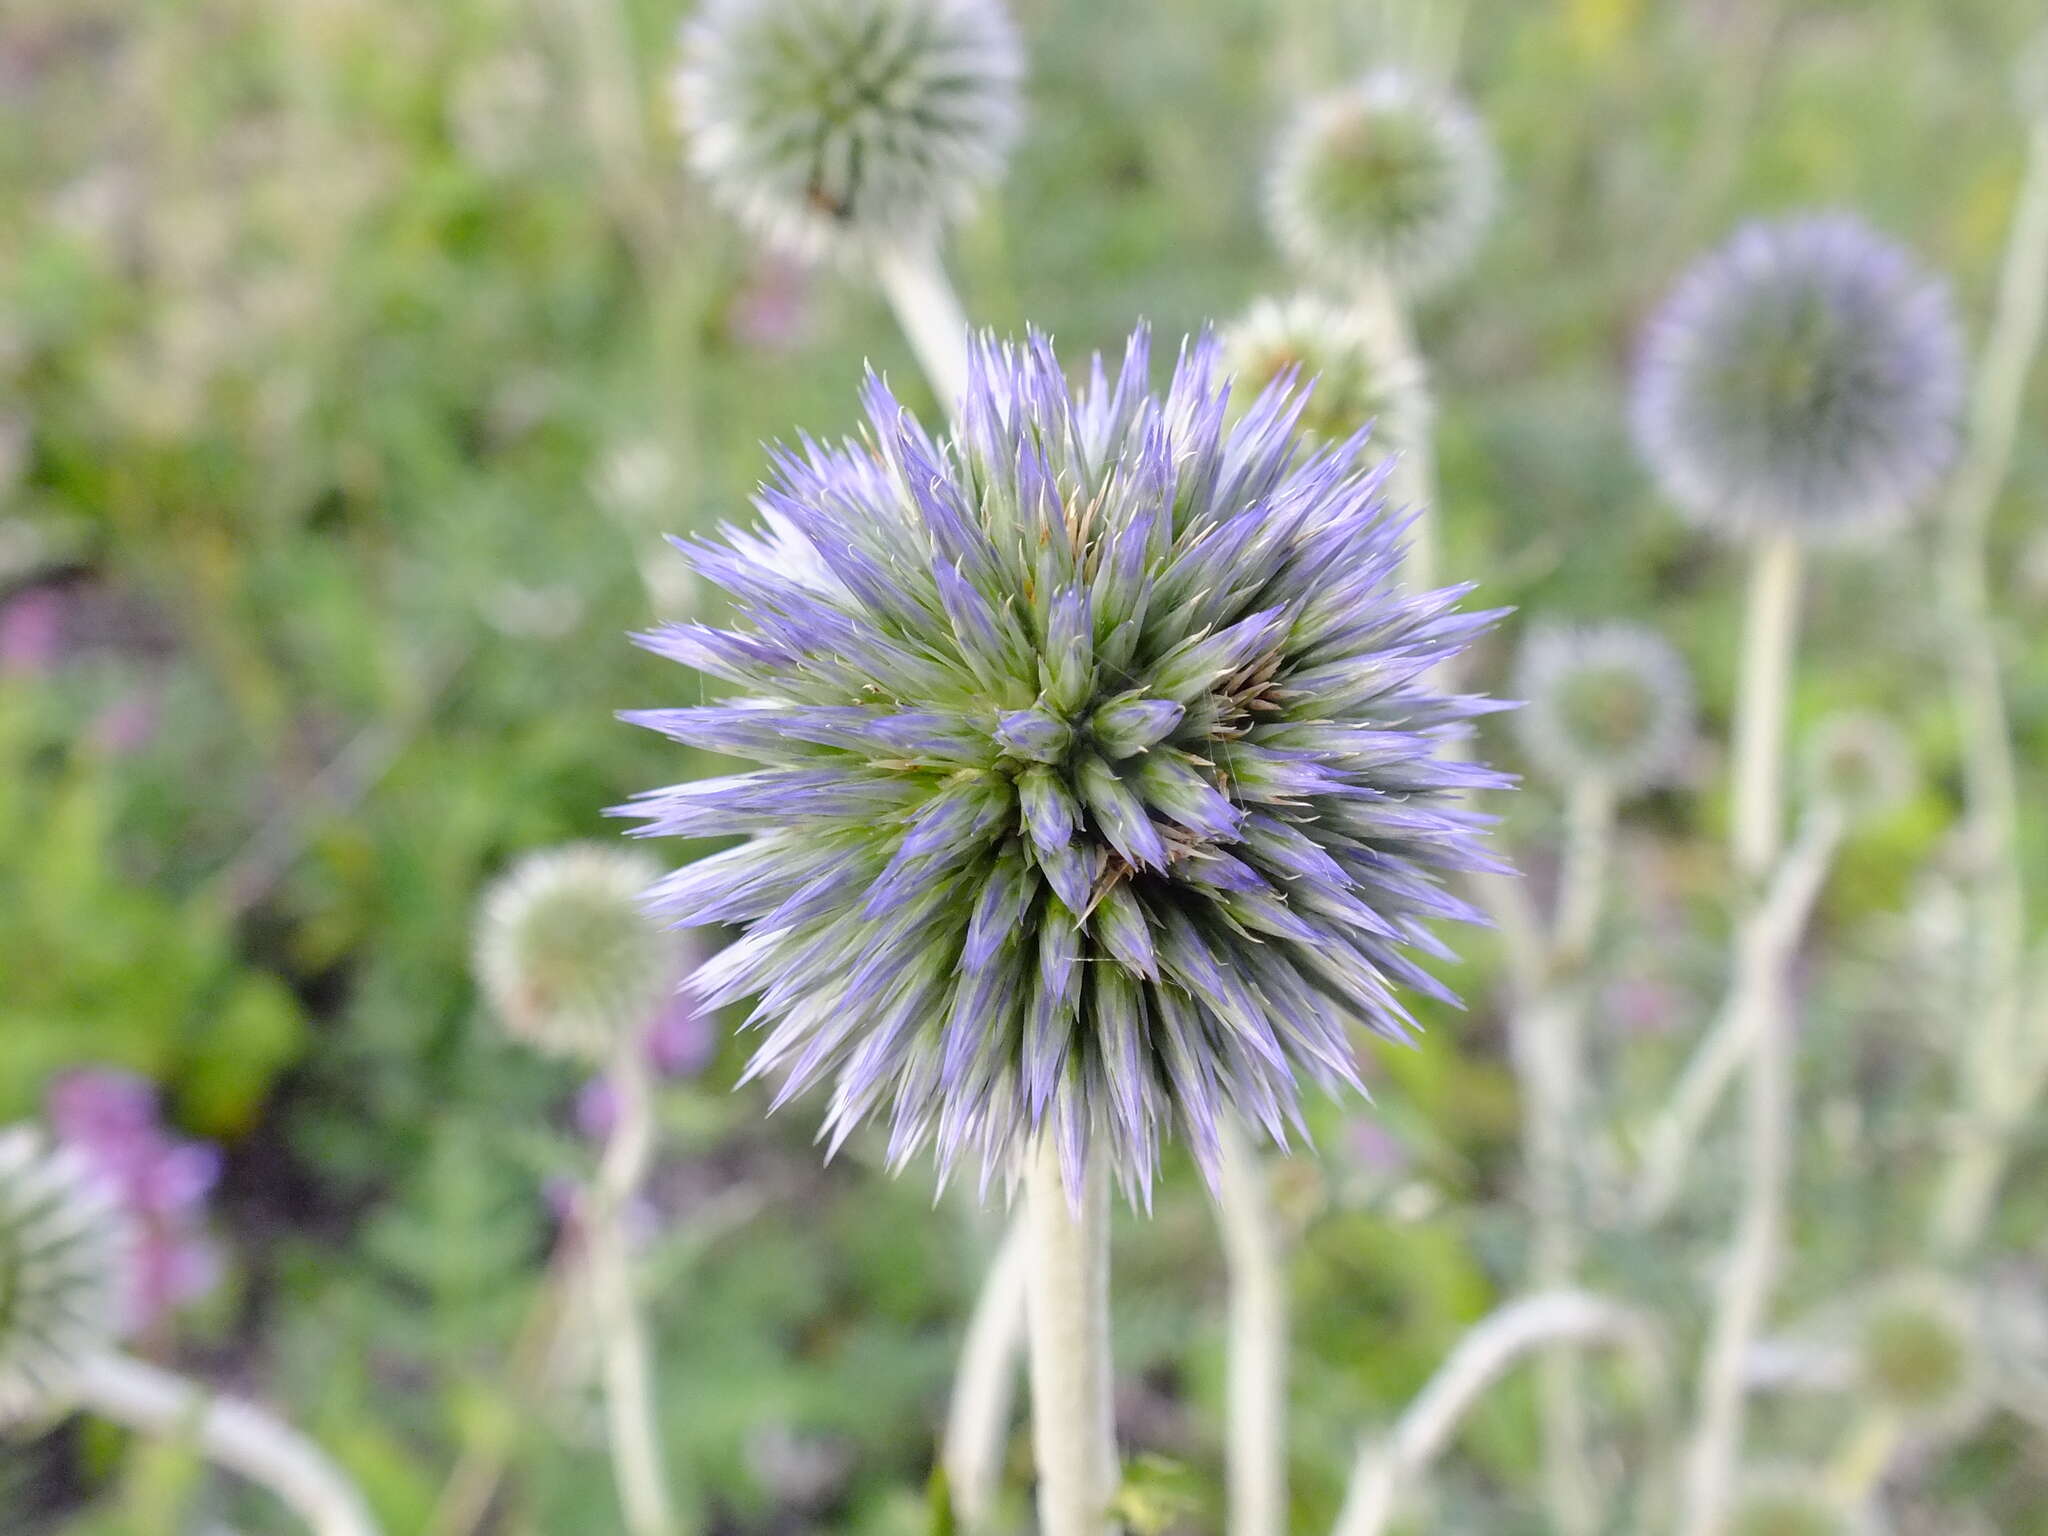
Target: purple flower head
(1101, 778)
(1806, 377)
(1607, 703)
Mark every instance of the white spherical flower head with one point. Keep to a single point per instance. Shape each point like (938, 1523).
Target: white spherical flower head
(1860, 763)
(1919, 1351)
(835, 126)
(65, 1248)
(1391, 177)
(1789, 1501)
(1806, 379)
(1609, 703)
(1359, 374)
(567, 956)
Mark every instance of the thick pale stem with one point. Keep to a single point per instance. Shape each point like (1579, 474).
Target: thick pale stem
(985, 1388)
(1669, 1142)
(1769, 633)
(237, 1436)
(628, 1389)
(1388, 1466)
(1756, 1252)
(1413, 483)
(1073, 1423)
(1256, 1450)
(1995, 1082)
(913, 279)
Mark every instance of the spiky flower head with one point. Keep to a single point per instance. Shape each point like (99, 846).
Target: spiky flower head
(1391, 177)
(1919, 1351)
(566, 954)
(64, 1250)
(1805, 378)
(832, 126)
(1860, 763)
(1360, 375)
(1788, 1501)
(1611, 703)
(1101, 781)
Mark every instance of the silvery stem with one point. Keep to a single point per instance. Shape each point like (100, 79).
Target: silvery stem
(237, 1436)
(615, 1304)
(1256, 1450)
(1413, 483)
(913, 279)
(1756, 1251)
(1669, 1142)
(1073, 1424)
(1989, 1065)
(984, 1388)
(1388, 1466)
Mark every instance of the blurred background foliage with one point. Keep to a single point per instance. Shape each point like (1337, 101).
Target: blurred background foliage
(353, 356)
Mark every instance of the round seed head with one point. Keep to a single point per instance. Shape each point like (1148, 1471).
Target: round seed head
(1102, 780)
(1860, 763)
(1390, 178)
(1788, 1501)
(567, 955)
(1919, 1351)
(1606, 702)
(1360, 374)
(1805, 378)
(64, 1251)
(837, 125)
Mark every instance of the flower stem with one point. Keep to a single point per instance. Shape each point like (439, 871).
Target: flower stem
(238, 1436)
(914, 281)
(1073, 1426)
(1413, 483)
(984, 1389)
(1256, 1452)
(629, 1401)
(1757, 1249)
(1995, 1083)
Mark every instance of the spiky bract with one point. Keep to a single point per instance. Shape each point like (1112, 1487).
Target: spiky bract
(1919, 1351)
(567, 956)
(64, 1250)
(1104, 782)
(834, 125)
(1357, 374)
(1390, 178)
(1805, 378)
(1606, 702)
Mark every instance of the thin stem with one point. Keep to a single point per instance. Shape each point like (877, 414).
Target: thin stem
(629, 1399)
(1388, 1466)
(914, 281)
(1413, 483)
(1073, 1423)
(1781, 920)
(1865, 1456)
(1256, 1451)
(1582, 883)
(985, 1387)
(1757, 1249)
(238, 1436)
(1990, 1068)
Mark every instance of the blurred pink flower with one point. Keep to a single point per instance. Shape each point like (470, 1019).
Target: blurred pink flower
(126, 725)
(111, 1118)
(31, 631)
(772, 313)
(681, 1040)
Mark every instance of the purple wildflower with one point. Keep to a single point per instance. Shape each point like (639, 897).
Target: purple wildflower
(1806, 377)
(1102, 777)
(110, 1120)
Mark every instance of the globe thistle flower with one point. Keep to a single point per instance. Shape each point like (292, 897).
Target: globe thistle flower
(1358, 374)
(1806, 378)
(566, 955)
(1860, 763)
(1788, 1501)
(63, 1264)
(831, 125)
(1607, 702)
(1101, 779)
(1918, 1350)
(1390, 177)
